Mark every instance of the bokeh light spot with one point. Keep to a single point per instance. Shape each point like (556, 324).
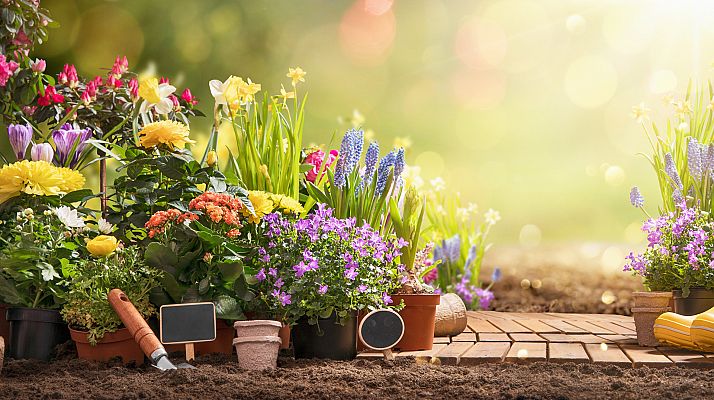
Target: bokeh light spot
(480, 89)
(367, 37)
(612, 259)
(663, 81)
(530, 236)
(633, 233)
(575, 24)
(431, 163)
(480, 43)
(608, 297)
(590, 81)
(614, 175)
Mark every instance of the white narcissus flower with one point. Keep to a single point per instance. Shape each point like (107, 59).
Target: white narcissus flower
(69, 217)
(492, 216)
(104, 226)
(438, 184)
(156, 95)
(218, 90)
(48, 272)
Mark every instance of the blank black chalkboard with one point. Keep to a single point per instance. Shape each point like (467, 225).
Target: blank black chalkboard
(187, 323)
(381, 329)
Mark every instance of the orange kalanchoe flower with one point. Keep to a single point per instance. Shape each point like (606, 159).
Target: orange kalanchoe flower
(219, 207)
(158, 222)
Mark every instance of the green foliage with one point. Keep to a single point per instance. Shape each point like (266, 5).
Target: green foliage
(87, 307)
(269, 144)
(407, 224)
(23, 18)
(37, 253)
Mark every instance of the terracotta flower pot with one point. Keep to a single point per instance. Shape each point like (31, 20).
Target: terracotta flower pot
(258, 327)
(698, 301)
(114, 344)
(284, 335)
(257, 352)
(419, 315)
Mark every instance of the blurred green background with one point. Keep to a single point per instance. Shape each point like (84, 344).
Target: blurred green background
(522, 106)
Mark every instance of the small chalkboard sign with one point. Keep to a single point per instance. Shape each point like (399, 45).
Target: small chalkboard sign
(381, 330)
(187, 324)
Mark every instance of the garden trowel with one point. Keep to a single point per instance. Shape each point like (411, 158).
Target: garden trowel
(142, 333)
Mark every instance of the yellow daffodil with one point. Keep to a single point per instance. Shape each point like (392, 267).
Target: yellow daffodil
(492, 216)
(211, 158)
(640, 113)
(156, 95)
(286, 95)
(403, 142)
(102, 245)
(682, 108)
(296, 74)
(249, 90)
(233, 92)
(37, 178)
(262, 205)
(172, 134)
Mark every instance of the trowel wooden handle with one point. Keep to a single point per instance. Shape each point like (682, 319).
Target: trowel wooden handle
(133, 321)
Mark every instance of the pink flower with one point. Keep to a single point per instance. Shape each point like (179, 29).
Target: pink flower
(7, 69)
(315, 159)
(113, 81)
(134, 88)
(86, 97)
(431, 276)
(21, 40)
(175, 101)
(188, 97)
(38, 65)
(70, 74)
(163, 80)
(121, 65)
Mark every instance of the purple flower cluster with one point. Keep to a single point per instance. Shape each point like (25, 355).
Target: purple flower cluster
(370, 165)
(675, 181)
(385, 166)
(471, 292)
(636, 198)
(350, 153)
(637, 264)
(318, 262)
(700, 159)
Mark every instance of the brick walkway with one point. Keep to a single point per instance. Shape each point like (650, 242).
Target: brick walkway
(555, 337)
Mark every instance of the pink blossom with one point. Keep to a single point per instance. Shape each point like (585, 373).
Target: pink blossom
(7, 69)
(38, 65)
(188, 97)
(175, 101)
(70, 72)
(121, 65)
(163, 80)
(431, 276)
(21, 40)
(86, 97)
(51, 96)
(134, 88)
(113, 81)
(315, 159)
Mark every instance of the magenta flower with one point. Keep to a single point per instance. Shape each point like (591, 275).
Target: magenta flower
(121, 65)
(315, 159)
(38, 65)
(322, 289)
(387, 299)
(260, 276)
(7, 69)
(351, 274)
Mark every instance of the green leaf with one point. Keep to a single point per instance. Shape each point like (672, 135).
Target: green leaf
(9, 293)
(78, 195)
(241, 289)
(231, 271)
(203, 286)
(160, 256)
(326, 313)
(227, 308)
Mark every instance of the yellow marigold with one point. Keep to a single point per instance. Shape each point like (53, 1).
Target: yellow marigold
(288, 204)
(102, 245)
(170, 133)
(262, 205)
(37, 178)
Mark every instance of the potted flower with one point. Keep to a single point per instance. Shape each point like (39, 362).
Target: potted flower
(33, 261)
(318, 272)
(94, 326)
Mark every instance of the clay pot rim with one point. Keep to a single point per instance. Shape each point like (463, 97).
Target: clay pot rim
(120, 335)
(257, 322)
(650, 309)
(652, 294)
(255, 339)
(34, 315)
(416, 300)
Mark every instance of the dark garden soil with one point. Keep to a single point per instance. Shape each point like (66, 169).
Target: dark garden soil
(220, 377)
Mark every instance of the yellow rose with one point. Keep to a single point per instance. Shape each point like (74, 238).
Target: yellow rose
(102, 245)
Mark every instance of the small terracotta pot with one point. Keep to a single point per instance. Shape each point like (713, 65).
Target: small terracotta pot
(284, 335)
(652, 299)
(257, 352)
(114, 344)
(258, 327)
(419, 316)
(645, 318)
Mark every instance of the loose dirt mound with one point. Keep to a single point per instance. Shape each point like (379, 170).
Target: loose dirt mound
(220, 377)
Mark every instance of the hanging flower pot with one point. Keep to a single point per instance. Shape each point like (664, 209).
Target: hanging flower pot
(257, 352)
(419, 315)
(698, 301)
(326, 339)
(35, 332)
(113, 344)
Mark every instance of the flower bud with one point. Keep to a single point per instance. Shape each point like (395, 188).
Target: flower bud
(211, 158)
(38, 65)
(42, 152)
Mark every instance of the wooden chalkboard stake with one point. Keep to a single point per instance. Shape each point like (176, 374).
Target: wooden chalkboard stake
(189, 352)
(388, 355)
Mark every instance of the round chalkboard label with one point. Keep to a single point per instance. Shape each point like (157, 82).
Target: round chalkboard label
(381, 329)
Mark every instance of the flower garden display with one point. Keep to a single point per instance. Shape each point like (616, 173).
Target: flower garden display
(317, 272)
(94, 326)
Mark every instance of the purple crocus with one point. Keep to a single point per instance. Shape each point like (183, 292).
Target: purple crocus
(42, 152)
(20, 137)
(70, 142)
(636, 197)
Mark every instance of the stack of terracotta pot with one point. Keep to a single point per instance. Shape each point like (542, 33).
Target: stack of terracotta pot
(648, 306)
(257, 344)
